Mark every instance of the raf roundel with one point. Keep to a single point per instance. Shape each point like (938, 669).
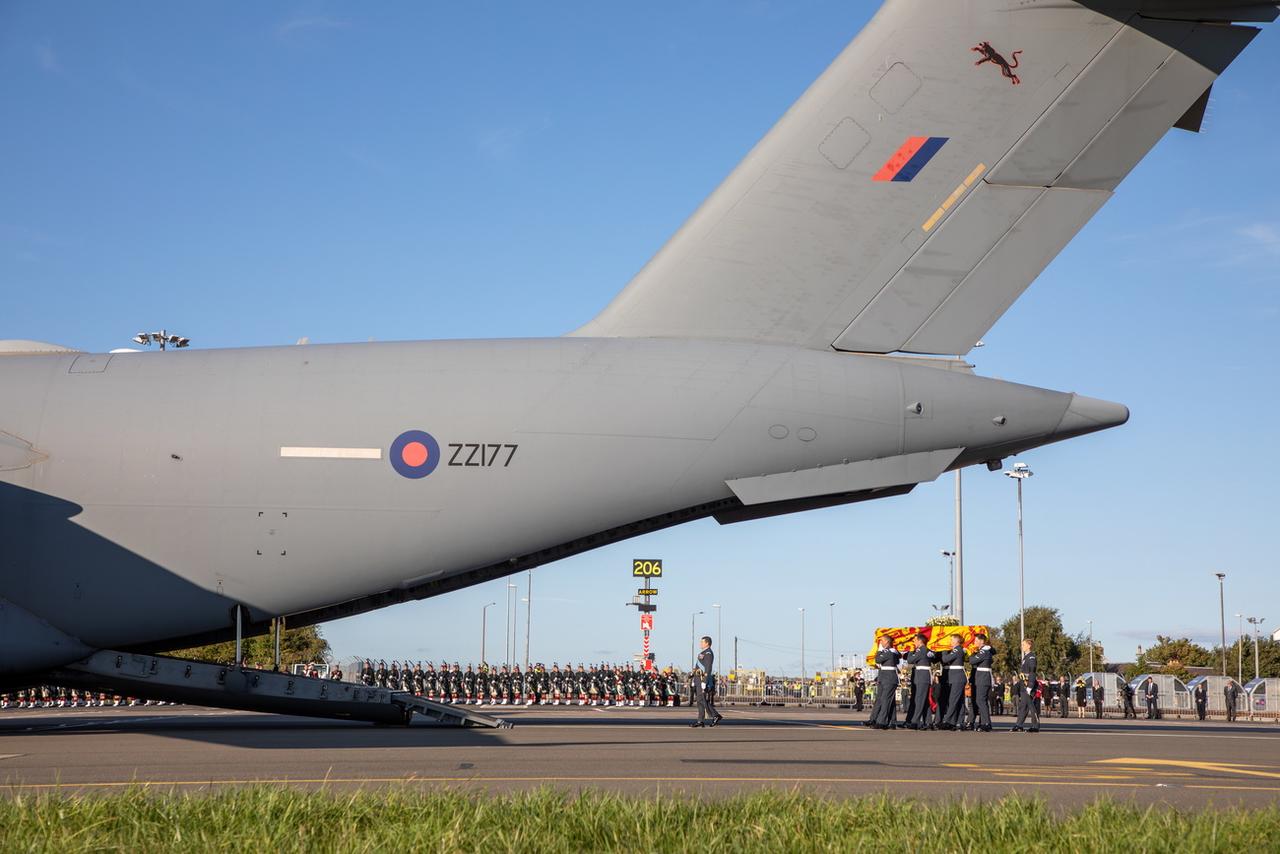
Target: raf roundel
(415, 454)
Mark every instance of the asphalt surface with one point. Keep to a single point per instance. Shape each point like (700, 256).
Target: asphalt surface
(1184, 763)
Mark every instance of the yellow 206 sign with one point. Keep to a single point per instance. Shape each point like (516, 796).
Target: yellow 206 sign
(646, 568)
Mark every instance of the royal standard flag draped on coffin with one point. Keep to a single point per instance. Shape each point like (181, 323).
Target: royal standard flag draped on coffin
(938, 638)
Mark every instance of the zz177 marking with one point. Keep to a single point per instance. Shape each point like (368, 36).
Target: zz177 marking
(480, 454)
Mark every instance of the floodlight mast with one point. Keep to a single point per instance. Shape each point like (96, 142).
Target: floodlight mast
(163, 338)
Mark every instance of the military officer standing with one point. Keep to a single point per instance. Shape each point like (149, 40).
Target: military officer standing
(1026, 690)
(980, 681)
(706, 679)
(920, 659)
(883, 713)
(954, 680)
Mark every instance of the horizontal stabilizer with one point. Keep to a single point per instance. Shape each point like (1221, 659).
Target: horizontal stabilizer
(946, 156)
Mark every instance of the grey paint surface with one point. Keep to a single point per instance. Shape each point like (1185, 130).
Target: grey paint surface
(708, 388)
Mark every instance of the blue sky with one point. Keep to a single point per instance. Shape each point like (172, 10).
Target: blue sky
(252, 173)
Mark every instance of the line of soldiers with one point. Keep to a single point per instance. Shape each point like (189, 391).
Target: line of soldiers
(58, 697)
(598, 685)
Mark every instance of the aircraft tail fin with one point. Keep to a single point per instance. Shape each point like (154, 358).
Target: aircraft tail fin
(945, 157)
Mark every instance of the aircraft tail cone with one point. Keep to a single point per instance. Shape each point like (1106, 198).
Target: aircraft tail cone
(1088, 415)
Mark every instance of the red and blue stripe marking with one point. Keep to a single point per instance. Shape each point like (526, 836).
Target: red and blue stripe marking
(910, 158)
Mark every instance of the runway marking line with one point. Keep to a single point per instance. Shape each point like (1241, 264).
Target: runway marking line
(1221, 767)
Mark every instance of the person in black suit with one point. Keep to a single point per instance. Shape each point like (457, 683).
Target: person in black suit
(1201, 696)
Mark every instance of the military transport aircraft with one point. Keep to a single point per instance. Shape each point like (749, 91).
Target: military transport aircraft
(798, 343)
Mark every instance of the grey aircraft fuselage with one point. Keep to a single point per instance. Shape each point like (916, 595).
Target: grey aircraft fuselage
(162, 489)
(753, 367)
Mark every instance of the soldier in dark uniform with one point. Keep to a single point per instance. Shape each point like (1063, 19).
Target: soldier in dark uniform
(883, 712)
(706, 682)
(980, 681)
(1129, 710)
(366, 673)
(920, 659)
(953, 674)
(380, 675)
(859, 691)
(1201, 695)
(1026, 688)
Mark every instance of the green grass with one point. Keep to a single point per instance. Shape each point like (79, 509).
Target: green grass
(274, 819)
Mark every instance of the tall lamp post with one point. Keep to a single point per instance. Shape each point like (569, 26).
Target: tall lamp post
(951, 574)
(693, 646)
(831, 628)
(957, 595)
(719, 635)
(1240, 649)
(161, 338)
(1020, 472)
(483, 628)
(528, 620)
(510, 630)
(1222, 620)
(1090, 647)
(803, 671)
(1257, 623)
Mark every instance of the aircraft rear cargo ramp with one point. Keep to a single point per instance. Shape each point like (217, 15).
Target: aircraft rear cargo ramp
(201, 683)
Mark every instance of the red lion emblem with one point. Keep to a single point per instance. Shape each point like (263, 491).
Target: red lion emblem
(989, 54)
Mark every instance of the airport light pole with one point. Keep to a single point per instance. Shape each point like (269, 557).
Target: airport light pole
(1020, 472)
(484, 624)
(693, 644)
(1255, 622)
(162, 338)
(957, 595)
(1240, 649)
(951, 576)
(831, 628)
(1090, 646)
(1222, 619)
(803, 672)
(509, 632)
(528, 620)
(719, 635)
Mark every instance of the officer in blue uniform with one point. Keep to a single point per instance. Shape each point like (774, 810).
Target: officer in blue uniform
(884, 713)
(953, 679)
(920, 659)
(980, 681)
(706, 687)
